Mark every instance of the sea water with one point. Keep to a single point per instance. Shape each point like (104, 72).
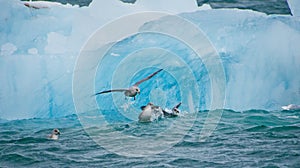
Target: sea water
(253, 138)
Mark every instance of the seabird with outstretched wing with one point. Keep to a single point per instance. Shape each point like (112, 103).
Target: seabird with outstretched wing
(134, 89)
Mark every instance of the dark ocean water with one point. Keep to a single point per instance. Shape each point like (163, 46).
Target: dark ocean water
(253, 138)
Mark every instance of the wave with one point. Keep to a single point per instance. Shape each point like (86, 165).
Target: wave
(16, 159)
(238, 135)
(287, 128)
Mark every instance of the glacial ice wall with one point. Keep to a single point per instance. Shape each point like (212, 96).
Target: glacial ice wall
(39, 49)
(260, 55)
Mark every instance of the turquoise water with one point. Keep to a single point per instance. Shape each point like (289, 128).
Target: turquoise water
(253, 138)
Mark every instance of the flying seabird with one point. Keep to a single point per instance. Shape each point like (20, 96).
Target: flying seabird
(133, 90)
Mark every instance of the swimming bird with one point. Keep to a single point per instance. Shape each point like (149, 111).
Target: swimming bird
(54, 135)
(134, 89)
(150, 113)
(174, 113)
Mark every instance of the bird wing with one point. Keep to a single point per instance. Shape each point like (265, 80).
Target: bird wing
(113, 90)
(150, 76)
(177, 106)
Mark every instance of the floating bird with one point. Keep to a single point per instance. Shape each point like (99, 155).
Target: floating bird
(150, 113)
(174, 113)
(133, 90)
(54, 135)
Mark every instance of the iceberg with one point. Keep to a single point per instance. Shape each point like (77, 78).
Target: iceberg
(40, 47)
(291, 107)
(294, 6)
(41, 4)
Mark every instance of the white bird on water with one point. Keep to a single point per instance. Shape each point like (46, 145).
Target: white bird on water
(174, 113)
(150, 113)
(133, 90)
(54, 135)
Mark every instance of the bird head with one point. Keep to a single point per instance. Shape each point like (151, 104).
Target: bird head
(56, 132)
(138, 90)
(175, 111)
